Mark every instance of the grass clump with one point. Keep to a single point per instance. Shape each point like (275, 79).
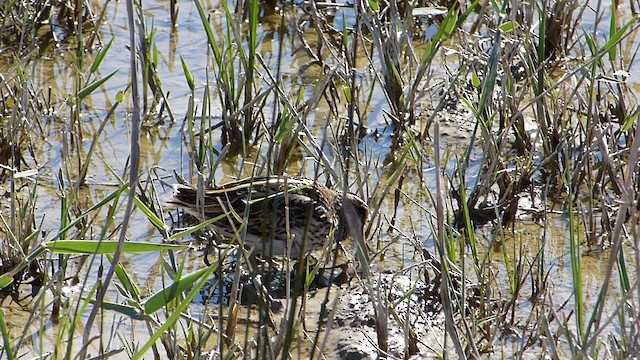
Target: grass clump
(358, 97)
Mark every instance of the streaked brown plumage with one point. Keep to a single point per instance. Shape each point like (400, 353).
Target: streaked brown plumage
(259, 203)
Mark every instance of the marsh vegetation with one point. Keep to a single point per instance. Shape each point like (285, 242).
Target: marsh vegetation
(496, 145)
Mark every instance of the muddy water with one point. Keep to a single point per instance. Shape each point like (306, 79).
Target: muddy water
(162, 150)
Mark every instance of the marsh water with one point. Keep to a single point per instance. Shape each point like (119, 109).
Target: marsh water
(163, 151)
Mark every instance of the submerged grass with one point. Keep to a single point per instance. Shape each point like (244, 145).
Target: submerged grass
(555, 125)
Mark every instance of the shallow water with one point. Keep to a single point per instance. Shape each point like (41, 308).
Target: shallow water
(163, 151)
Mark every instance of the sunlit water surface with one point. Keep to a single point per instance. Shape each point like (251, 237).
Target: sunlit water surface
(162, 152)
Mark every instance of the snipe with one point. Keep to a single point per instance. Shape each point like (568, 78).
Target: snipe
(265, 204)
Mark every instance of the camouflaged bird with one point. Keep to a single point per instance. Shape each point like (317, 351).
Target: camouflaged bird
(259, 203)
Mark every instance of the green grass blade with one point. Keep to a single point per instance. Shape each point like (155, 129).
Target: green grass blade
(188, 75)
(204, 275)
(105, 247)
(613, 22)
(161, 298)
(130, 286)
(5, 280)
(98, 60)
(153, 218)
(91, 87)
(127, 310)
(97, 206)
(5, 335)
(617, 36)
(193, 229)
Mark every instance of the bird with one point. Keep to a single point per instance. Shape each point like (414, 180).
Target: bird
(257, 212)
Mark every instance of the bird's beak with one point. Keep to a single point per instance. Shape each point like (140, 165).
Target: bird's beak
(362, 252)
